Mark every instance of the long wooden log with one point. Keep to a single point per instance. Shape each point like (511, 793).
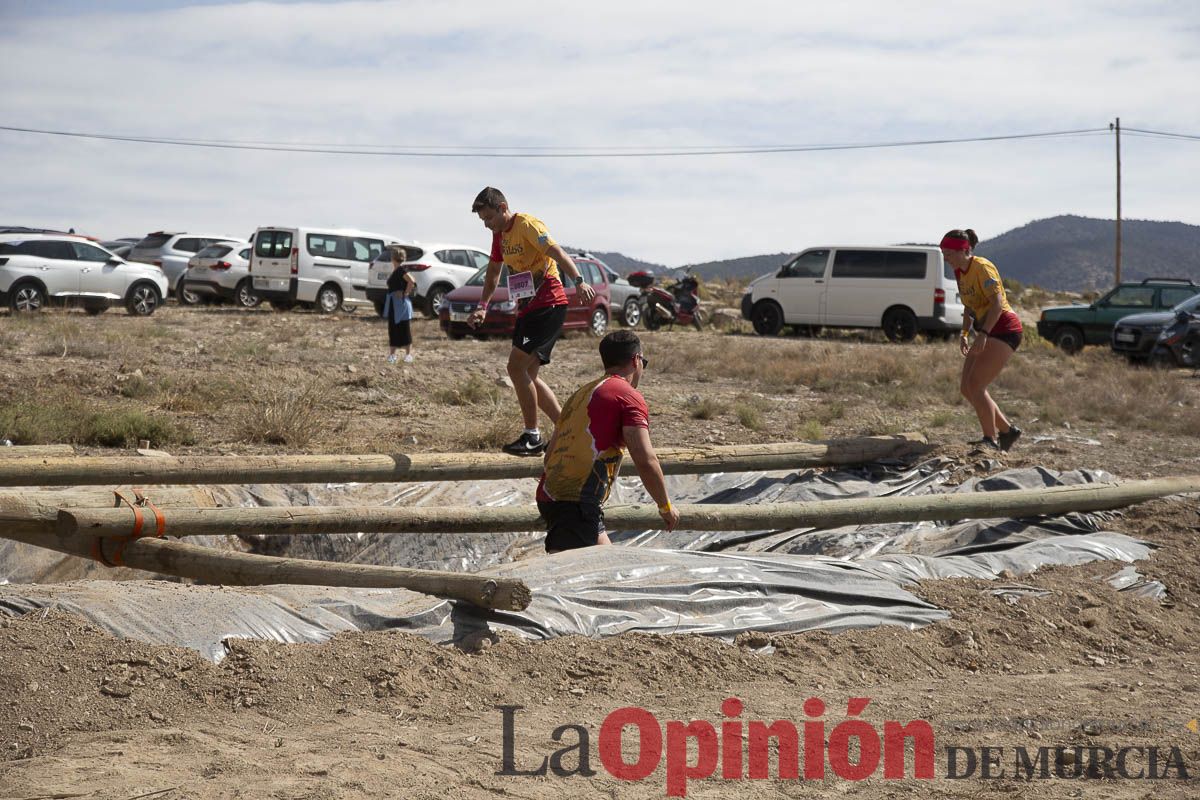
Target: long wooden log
(243, 569)
(32, 511)
(109, 470)
(698, 516)
(36, 450)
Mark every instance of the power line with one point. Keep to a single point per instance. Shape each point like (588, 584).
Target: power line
(1164, 134)
(468, 151)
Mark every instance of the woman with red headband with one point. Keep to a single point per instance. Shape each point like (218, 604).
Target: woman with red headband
(997, 334)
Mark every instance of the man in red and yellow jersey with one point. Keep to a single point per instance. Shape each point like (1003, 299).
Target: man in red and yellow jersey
(534, 260)
(597, 424)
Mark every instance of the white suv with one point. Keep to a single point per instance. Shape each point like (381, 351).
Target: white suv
(437, 269)
(35, 270)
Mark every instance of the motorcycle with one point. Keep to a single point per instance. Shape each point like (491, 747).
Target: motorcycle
(678, 301)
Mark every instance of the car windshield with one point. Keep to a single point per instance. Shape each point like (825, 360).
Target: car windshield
(1192, 304)
(477, 278)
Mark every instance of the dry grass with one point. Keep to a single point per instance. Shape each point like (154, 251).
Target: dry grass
(706, 408)
(474, 390)
(287, 413)
(71, 420)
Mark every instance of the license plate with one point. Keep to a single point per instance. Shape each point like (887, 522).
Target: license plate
(1126, 337)
(459, 316)
(267, 283)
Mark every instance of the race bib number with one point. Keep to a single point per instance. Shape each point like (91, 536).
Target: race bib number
(520, 285)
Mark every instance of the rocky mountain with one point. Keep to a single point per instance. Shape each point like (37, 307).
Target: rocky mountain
(1062, 253)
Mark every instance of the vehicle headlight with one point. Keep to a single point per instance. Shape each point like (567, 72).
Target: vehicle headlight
(507, 306)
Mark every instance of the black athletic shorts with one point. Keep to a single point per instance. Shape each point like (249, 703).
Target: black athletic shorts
(571, 525)
(537, 331)
(1013, 339)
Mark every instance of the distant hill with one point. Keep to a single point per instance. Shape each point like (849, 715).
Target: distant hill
(1076, 253)
(621, 263)
(1065, 253)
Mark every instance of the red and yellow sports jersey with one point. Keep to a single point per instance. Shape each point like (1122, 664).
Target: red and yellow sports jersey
(588, 442)
(524, 247)
(979, 287)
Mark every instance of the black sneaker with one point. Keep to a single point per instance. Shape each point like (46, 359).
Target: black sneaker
(1009, 437)
(986, 443)
(528, 445)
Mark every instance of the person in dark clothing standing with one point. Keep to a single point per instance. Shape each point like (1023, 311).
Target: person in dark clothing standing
(397, 308)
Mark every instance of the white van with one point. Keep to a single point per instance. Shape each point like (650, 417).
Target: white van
(902, 289)
(320, 266)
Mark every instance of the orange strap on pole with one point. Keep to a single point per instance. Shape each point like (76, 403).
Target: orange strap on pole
(136, 506)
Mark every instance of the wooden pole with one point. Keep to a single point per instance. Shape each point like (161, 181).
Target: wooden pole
(1117, 129)
(36, 511)
(698, 516)
(35, 450)
(109, 470)
(243, 569)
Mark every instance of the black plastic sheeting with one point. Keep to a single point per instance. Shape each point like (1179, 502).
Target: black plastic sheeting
(719, 584)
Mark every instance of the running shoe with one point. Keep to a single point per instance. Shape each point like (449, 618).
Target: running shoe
(391, 359)
(408, 359)
(527, 445)
(1009, 437)
(986, 443)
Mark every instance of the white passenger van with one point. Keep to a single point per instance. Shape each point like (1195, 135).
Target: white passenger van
(901, 289)
(319, 266)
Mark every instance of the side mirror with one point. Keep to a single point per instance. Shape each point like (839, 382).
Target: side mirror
(114, 261)
(1184, 316)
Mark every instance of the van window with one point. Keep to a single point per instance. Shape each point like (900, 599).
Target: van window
(892, 264)
(330, 246)
(366, 249)
(806, 265)
(273, 244)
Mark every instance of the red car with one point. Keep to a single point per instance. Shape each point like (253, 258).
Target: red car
(502, 314)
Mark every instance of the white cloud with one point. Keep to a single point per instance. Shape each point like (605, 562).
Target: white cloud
(647, 74)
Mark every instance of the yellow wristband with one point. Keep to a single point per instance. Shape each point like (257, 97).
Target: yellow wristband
(665, 509)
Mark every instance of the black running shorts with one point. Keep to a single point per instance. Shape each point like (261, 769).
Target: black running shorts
(537, 331)
(571, 525)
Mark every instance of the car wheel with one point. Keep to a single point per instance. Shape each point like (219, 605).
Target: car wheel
(767, 318)
(631, 315)
(1069, 339)
(95, 310)
(699, 319)
(244, 295)
(26, 297)
(329, 299)
(282, 305)
(900, 325)
(599, 325)
(142, 300)
(185, 297)
(433, 300)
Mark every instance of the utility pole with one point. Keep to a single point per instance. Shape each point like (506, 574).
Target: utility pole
(1116, 128)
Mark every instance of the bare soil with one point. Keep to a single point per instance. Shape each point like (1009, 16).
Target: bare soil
(391, 715)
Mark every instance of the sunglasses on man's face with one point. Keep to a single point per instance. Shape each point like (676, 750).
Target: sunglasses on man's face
(645, 361)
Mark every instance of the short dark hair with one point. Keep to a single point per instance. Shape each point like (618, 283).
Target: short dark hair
(619, 347)
(489, 198)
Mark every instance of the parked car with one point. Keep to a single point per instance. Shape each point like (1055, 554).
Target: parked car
(323, 267)
(1072, 327)
(39, 269)
(903, 290)
(1167, 337)
(171, 252)
(502, 313)
(436, 268)
(624, 295)
(222, 272)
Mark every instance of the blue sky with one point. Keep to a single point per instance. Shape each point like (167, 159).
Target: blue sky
(520, 74)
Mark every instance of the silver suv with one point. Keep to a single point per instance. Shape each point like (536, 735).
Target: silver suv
(37, 270)
(171, 252)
